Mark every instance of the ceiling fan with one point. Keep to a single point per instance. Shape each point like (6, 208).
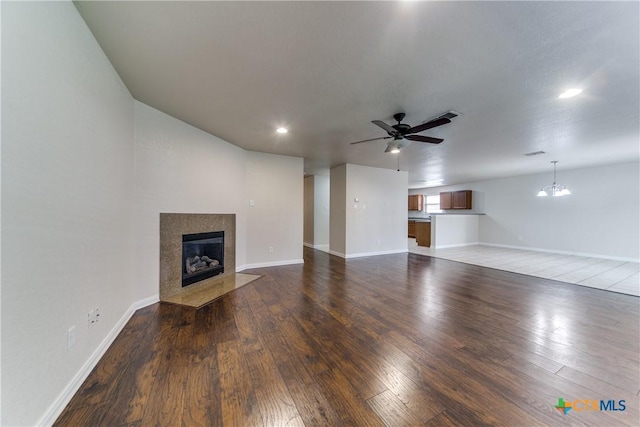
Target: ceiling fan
(402, 134)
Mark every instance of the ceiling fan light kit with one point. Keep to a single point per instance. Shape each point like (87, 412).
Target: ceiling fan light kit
(403, 134)
(555, 189)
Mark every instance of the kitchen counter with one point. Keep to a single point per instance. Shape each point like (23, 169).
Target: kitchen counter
(457, 213)
(428, 218)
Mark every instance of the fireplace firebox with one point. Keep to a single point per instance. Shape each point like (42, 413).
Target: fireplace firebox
(202, 256)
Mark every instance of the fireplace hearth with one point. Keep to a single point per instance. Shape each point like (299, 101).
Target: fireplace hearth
(202, 256)
(176, 232)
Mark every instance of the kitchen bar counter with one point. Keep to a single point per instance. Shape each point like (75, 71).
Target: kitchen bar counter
(457, 213)
(445, 229)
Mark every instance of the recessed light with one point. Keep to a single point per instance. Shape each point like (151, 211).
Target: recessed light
(282, 130)
(569, 93)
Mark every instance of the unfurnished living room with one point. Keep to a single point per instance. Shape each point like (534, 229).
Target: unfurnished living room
(320, 213)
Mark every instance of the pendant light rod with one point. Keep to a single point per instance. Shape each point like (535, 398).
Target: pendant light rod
(555, 189)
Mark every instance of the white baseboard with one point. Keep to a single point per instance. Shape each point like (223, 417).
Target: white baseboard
(365, 254)
(269, 264)
(336, 253)
(324, 248)
(145, 302)
(63, 399)
(455, 246)
(553, 251)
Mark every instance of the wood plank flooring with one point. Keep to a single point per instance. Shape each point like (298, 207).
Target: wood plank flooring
(389, 340)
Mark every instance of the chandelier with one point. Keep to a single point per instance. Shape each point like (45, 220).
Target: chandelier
(556, 190)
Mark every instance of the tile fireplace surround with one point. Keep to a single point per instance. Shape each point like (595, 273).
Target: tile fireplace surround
(172, 227)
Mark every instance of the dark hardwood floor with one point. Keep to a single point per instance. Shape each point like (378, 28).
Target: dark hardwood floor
(396, 340)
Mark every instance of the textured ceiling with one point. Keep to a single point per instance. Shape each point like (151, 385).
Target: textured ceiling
(238, 70)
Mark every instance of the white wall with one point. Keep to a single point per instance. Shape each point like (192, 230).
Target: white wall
(67, 165)
(86, 171)
(275, 185)
(377, 222)
(181, 169)
(0, 224)
(321, 204)
(600, 218)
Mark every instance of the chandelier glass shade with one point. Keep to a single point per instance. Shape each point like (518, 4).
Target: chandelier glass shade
(555, 189)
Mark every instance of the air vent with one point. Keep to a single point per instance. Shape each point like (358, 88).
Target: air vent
(449, 114)
(535, 153)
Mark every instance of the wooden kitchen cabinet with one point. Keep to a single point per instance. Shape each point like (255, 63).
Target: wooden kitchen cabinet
(416, 202)
(423, 234)
(462, 199)
(456, 199)
(446, 200)
(412, 228)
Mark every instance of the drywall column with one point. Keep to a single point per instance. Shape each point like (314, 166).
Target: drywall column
(309, 211)
(337, 209)
(373, 203)
(321, 203)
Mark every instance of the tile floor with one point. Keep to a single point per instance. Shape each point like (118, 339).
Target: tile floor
(600, 273)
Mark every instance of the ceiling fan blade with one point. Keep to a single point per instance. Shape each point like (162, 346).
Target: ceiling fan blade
(372, 139)
(390, 130)
(421, 138)
(429, 125)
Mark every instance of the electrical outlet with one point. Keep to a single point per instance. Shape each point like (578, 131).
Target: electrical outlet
(71, 337)
(97, 314)
(270, 249)
(91, 318)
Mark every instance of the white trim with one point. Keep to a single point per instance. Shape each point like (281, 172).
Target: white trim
(365, 254)
(324, 248)
(336, 253)
(455, 246)
(55, 409)
(553, 251)
(269, 264)
(145, 302)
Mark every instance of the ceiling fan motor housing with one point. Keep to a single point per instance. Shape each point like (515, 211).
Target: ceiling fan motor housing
(402, 128)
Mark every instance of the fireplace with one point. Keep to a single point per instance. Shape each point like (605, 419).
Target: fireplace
(202, 256)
